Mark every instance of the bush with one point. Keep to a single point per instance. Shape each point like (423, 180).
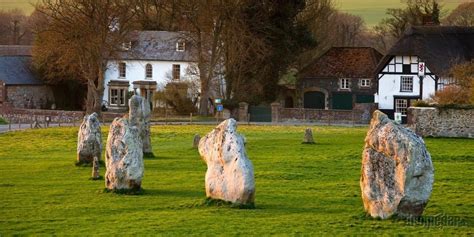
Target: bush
(176, 96)
(421, 103)
(3, 121)
(452, 95)
(462, 89)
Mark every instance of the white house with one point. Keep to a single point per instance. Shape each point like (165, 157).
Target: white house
(148, 62)
(419, 64)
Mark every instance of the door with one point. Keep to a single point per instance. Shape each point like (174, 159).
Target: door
(342, 101)
(314, 100)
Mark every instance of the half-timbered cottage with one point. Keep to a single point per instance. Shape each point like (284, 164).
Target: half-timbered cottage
(419, 64)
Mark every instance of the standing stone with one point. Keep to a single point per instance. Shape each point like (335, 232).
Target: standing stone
(95, 169)
(397, 172)
(89, 139)
(139, 116)
(308, 136)
(124, 157)
(229, 175)
(196, 141)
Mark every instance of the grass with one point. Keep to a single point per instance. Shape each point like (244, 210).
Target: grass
(301, 189)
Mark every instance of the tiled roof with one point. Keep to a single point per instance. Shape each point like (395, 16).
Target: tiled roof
(157, 45)
(439, 46)
(15, 70)
(343, 62)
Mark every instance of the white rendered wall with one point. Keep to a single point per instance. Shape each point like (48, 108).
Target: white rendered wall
(135, 71)
(389, 84)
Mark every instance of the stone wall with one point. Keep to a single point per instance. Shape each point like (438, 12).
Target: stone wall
(29, 96)
(441, 122)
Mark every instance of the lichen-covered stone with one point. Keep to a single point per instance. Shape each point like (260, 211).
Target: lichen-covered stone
(124, 157)
(89, 140)
(308, 136)
(196, 140)
(139, 116)
(397, 172)
(229, 175)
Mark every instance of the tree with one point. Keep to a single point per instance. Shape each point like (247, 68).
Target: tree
(461, 90)
(463, 15)
(14, 27)
(417, 12)
(78, 37)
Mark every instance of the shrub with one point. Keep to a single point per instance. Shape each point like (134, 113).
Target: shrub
(3, 121)
(462, 90)
(421, 103)
(176, 96)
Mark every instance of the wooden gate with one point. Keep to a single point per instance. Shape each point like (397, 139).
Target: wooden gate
(260, 113)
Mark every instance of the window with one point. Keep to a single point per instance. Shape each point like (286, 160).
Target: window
(344, 84)
(406, 68)
(176, 71)
(180, 45)
(406, 84)
(148, 71)
(122, 70)
(401, 106)
(364, 82)
(117, 97)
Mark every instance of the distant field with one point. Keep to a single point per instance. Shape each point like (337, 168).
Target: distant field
(371, 10)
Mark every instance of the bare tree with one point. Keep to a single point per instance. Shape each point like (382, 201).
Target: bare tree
(78, 37)
(14, 27)
(463, 15)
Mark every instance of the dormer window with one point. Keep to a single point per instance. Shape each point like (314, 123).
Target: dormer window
(180, 45)
(127, 46)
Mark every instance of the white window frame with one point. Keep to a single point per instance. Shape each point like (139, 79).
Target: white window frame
(117, 96)
(401, 106)
(344, 84)
(365, 82)
(176, 72)
(148, 71)
(181, 45)
(122, 70)
(406, 84)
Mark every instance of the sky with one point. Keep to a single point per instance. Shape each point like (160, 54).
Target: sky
(372, 11)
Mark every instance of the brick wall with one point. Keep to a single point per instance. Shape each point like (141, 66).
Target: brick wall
(441, 122)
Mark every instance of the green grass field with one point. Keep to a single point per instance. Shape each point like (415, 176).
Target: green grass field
(301, 189)
(371, 10)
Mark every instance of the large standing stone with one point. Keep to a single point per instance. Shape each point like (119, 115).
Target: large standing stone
(229, 175)
(89, 140)
(397, 172)
(139, 116)
(124, 157)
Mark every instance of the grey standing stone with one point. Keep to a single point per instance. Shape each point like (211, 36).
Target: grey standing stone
(139, 115)
(308, 136)
(95, 169)
(229, 175)
(196, 141)
(397, 172)
(89, 140)
(124, 157)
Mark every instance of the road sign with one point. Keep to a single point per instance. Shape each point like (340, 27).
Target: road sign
(220, 108)
(218, 101)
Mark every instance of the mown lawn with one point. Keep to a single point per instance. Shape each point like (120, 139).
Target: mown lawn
(301, 189)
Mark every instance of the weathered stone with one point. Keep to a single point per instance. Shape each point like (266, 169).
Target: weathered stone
(397, 172)
(124, 157)
(229, 175)
(441, 122)
(89, 140)
(95, 169)
(308, 136)
(139, 116)
(196, 140)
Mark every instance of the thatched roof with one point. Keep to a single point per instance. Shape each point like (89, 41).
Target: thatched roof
(440, 47)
